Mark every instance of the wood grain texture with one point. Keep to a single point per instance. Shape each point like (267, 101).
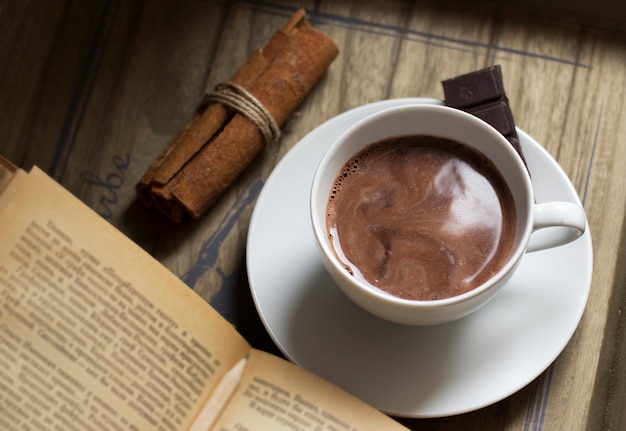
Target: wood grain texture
(93, 91)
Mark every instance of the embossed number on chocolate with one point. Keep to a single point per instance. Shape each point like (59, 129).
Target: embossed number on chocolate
(421, 217)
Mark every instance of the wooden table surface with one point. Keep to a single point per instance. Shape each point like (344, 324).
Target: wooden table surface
(91, 92)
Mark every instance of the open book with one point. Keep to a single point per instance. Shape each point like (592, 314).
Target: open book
(95, 334)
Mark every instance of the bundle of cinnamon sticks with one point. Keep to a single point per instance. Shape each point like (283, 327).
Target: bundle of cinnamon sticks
(221, 139)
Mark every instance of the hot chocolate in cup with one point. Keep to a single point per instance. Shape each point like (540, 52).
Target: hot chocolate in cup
(422, 213)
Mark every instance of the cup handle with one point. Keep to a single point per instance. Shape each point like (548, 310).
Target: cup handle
(567, 222)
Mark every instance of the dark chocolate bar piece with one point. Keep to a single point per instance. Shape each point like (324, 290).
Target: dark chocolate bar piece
(481, 93)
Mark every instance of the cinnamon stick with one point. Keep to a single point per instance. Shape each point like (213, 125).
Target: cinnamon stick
(218, 143)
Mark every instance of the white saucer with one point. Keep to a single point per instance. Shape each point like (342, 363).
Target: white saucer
(409, 371)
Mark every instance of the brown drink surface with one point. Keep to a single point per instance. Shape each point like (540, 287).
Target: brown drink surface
(421, 217)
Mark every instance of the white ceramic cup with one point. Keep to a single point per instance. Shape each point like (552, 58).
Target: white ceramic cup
(566, 221)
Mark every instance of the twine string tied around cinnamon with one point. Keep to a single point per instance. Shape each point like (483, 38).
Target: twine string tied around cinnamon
(242, 101)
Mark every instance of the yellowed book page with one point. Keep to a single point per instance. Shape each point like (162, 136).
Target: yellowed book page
(94, 333)
(276, 395)
(10, 178)
(7, 169)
